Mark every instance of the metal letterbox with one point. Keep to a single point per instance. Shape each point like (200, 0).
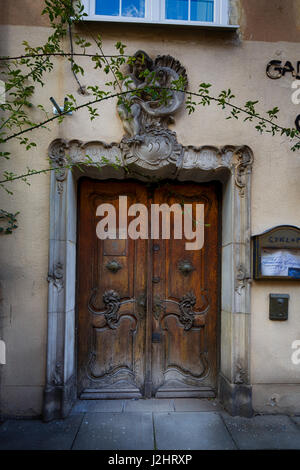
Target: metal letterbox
(279, 307)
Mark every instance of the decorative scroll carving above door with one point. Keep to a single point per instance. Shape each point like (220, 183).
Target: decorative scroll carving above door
(142, 113)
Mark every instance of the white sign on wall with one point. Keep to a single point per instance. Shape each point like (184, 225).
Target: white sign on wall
(279, 262)
(2, 352)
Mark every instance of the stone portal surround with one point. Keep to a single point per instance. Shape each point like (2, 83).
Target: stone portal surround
(232, 166)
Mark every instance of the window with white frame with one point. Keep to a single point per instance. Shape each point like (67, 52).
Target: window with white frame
(190, 12)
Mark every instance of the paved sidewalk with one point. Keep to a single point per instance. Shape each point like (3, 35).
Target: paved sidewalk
(156, 424)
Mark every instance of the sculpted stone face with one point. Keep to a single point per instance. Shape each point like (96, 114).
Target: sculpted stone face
(142, 63)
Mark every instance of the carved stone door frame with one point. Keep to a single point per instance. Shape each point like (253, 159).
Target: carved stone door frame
(230, 165)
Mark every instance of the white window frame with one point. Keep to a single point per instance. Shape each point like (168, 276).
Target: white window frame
(155, 13)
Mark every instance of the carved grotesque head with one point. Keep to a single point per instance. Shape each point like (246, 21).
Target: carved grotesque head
(142, 63)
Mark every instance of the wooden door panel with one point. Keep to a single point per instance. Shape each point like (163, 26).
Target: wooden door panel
(185, 314)
(112, 282)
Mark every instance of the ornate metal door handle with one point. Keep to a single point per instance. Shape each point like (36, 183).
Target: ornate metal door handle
(158, 306)
(114, 266)
(142, 304)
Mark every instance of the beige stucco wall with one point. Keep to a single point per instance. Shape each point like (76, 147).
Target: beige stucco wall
(24, 261)
(224, 59)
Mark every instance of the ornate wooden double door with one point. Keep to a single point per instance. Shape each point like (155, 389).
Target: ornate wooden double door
(147, 308)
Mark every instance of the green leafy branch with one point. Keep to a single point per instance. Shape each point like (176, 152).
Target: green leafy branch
(206, 99)
(10, 222)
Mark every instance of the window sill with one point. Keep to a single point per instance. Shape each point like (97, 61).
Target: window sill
(199, 24)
